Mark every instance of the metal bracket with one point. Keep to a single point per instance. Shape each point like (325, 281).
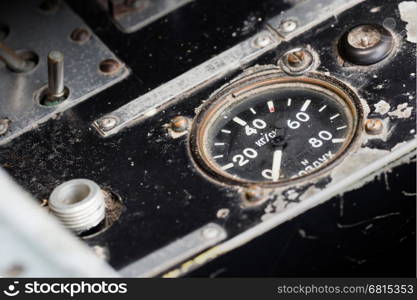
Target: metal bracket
(132, 15)
(305, 16)
(205, 73)
(41, 32)
(176, 252)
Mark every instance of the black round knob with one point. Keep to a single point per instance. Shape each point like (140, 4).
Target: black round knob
(366, 44)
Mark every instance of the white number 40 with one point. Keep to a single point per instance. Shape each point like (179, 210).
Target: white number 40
(257, 123)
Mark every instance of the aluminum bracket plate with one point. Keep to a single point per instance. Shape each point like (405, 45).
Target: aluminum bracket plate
(215, 68)
(176, 252)
(305, 16)
(42, 32)
(132, 17)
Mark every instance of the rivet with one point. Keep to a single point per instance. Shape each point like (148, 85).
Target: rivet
(109, 66)
(80, 35)
(262, 40)
(107, 123)
(288, 26)
(210, 232)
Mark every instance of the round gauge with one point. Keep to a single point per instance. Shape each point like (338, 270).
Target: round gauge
(272, 128)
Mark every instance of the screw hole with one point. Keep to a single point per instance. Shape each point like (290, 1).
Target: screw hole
(42, 97)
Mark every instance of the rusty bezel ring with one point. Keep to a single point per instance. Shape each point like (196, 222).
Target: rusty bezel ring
(271, 77)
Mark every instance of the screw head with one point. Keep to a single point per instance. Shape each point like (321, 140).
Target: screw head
(374, 126)
(296, 58)
(262, 40)
(179, 124)
(254, 195)
(364, 37)
(296, 61)
(107, 123)
(366, 44)
(210, 232)
(4, 126)
(288, 26)
(109, 66)
(80, 35)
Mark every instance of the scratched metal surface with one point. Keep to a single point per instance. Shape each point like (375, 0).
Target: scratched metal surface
(153, 173)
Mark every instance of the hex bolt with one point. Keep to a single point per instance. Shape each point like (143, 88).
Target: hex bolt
(107, 123)
(288, 26)
(78, 204)
(4, 126)
(210, 232)
(56, 88)
(80, 35)
(179, 124)
(262, 40)
(14, 61)
(374, 126)
(109, 66)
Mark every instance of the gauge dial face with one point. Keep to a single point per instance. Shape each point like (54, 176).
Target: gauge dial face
(276, 134)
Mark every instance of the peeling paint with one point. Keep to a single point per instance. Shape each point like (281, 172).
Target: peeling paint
(408, 12)
(403, 111)
(382, 107)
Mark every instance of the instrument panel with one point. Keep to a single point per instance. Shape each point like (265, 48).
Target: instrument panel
(281, 126)
(275, 129)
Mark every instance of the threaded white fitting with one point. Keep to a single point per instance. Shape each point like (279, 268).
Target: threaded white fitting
(78, 204)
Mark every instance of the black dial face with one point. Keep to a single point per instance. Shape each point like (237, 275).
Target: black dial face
(277, 134)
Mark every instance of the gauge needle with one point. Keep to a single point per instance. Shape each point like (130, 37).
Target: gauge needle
(276, 164)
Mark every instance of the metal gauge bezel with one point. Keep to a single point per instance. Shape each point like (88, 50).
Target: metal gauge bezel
(256, 83)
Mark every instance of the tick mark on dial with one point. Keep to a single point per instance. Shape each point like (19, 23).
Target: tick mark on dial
(218, 144)
(253, 111)
(289, 102)
(305, 105)
(335, 141)
(239, 121)
(334, 116)
(271, 106)
(322, 108)
(228, 166)
(341, 127)
(226, 131)
(218, 156)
